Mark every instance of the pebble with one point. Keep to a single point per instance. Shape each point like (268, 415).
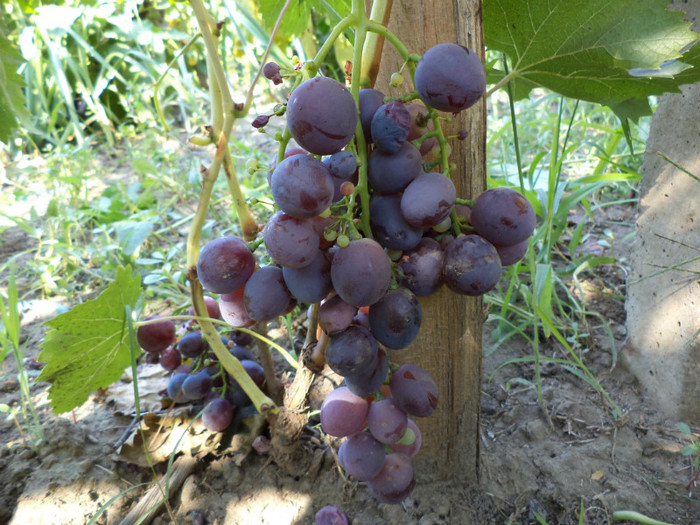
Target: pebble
(9, 385)
(232, 474)
(535, 430)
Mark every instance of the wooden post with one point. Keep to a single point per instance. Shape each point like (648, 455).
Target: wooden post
(449, 345)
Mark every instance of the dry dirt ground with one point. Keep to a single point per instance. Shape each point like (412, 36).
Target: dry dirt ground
(553, 461)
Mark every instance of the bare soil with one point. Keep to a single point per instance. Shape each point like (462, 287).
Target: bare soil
(549, 461)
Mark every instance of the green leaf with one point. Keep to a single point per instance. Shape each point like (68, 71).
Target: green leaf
(613, 52)
(88, 347)
(132, 234)
(13, 111)
(684, 428)
(298, 15)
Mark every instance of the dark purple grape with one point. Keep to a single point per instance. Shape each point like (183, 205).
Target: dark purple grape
(322, 115)
(302, 186)
(156, 337)
(343, 413)
(342, 165)
(260, 121)
(395, 480)
(386, 421)
(395, 319)
(335, 315)
(255, 371)
(361, 272)
(175, 387)
(422, 268)
(232, 307)
(420, 125)
(265, 295)
(192, 344)
(503, 216)
(217, 415)
(241, 338)
(389, 227)
(170, 359)
(362, 456)
(242, 352)
(196, 386)
(225, 264)
(428, 200)
(290, 242)
(352, 351)
(330, 515)
(272, 72)
(311, 283)
(509, 255)
(392, 172)
(390, 126)
(450, 77)
(411, 449)
(236, 394)
(368, 383)
(472, 265)
(369, 102)
(414, 391)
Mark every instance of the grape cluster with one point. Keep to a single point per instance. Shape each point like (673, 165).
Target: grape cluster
(365, 240)
(197, 376)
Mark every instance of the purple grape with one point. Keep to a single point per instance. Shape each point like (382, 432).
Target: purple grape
(272, 72)
(265, 295)
(330, 515)
(175, 387)
(196, 386)
(311, 283)
(322, 115)
(369, 101)
(362, 456)
(368, 383)
(386, 421)
(450, 77)
(420, 125)
(217, 415)
(389, 227)
(242, 352)
(422, 268)
(395, 319)
(170, 359)
(232, 307)
(290, 242)
(335, 315)
(302, 186)
(509, 255)
(390, 126)
(413, 448)
(260, 121)
(254, 370)
(503, 216)
(342, 165)
(225, 264)
(392, 172)
(414, 391)
(343, 413)
(192, 344)
(395, 480)
(156, 337)
(361, 272)
(352, 351)
(241, 338)
(428, 200)
(212, 308)
(472, 265)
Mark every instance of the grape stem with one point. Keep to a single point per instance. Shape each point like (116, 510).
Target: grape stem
(628, 515)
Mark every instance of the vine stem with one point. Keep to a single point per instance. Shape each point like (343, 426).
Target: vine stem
(629, 515)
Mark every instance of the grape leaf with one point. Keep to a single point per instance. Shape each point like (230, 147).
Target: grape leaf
(613, 52)
(296, 18)
(12, 109)
(87, 347)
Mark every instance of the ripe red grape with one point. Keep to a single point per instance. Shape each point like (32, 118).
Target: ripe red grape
(395, 319)
(503, 216)
(450, 77)
(422, 268)
(335, 315)
(311, 283)
(390, 126)
(369, 101)
(302, 186)
(428, 200)
(414, 391)
(472, 265)
(217, 415)
(389, 227)
(362, 456)
(413, 448)
(191, 344)
(322, 115)
(395, 480)
(352, 351)
(386, 421)
(156, 337)
(330, 515)
(233, 311)
(265, 295)
(343, 413)
(290, 242)
(392, 172)
(361, 272)
(225, 264)
(370, 382)
(272, 72)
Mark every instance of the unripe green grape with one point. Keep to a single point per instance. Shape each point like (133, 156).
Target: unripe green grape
(396, 80)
